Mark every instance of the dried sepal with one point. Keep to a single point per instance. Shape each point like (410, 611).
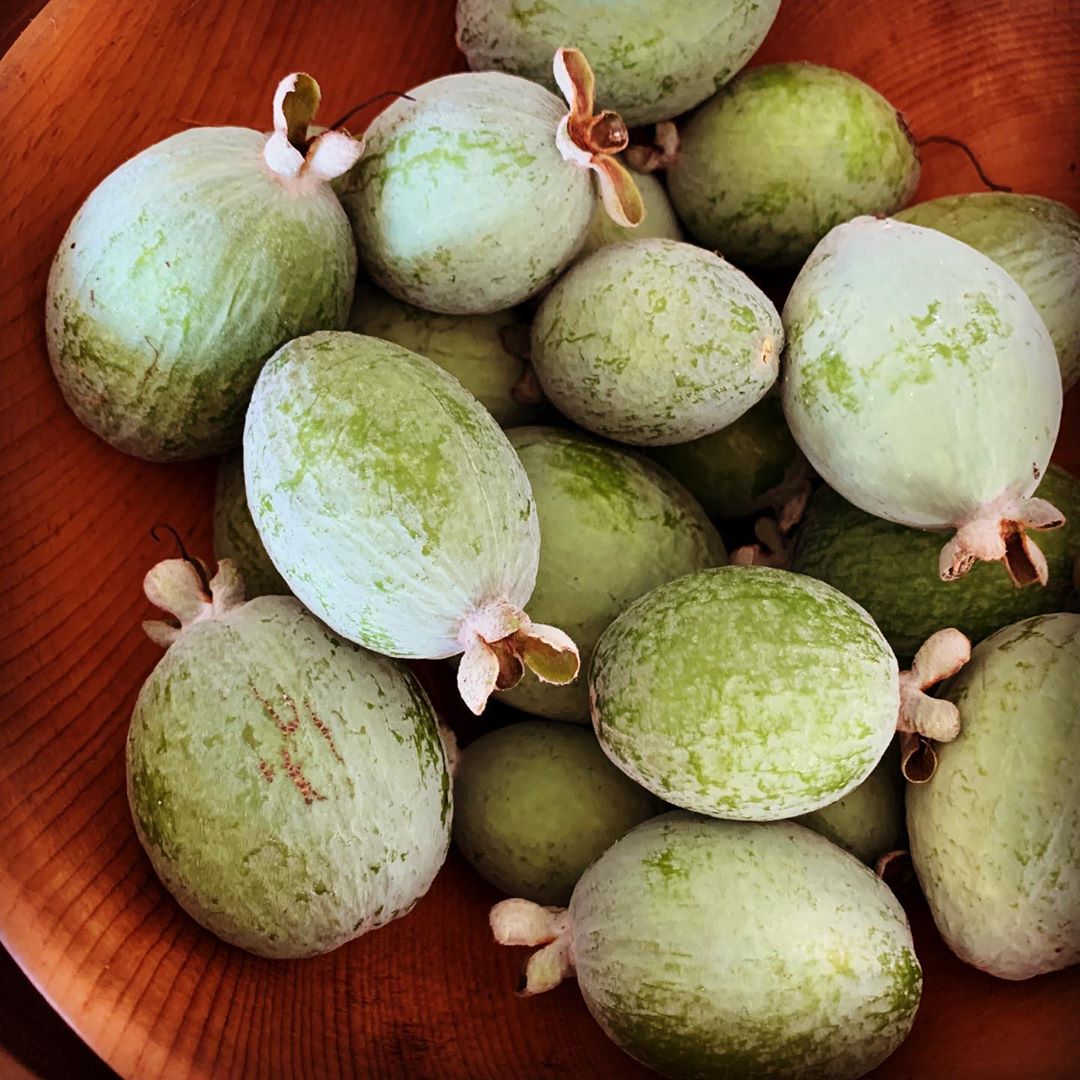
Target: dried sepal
(772, 548)
(521, 922)
(661, 155)
(175, 586)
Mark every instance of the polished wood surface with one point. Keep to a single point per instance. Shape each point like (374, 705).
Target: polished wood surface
(88, 84)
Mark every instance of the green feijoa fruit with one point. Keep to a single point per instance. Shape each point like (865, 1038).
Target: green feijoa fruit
(651, 62)
(729, 949)
(995, 835)
(396, 509)
(235, 535)
(476, 189)
(892, 570)
(752, 464)
(782, 154)
(1036, 240)
(653, 342)
(612, 527)
(290, 789)
(187, 267)
(659, 222)
(481, 351)
(535, 803)
(922, 385)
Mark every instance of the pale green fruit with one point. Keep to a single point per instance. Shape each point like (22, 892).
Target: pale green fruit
(660, 220)
(235, 535)
(397, 511)
(725, 949)
(1036, 240)
(653, 342)
(995, 835)
(535, 803)
(612, 527)
(745, 692)
(652, 62)
(785, 152)
(290, 789)
(473, 348)
(183, 271)
(922, 385)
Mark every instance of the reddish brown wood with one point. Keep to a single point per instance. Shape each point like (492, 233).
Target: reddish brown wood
(88, 84)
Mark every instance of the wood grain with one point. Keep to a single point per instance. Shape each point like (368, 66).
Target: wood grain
(429, 996)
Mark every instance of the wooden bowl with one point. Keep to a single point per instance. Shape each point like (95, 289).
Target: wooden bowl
(90, 83)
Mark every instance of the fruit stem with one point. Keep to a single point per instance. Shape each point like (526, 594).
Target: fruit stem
(948, 140)
(198, 566)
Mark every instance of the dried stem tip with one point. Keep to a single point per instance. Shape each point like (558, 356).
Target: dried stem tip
(591, 139)
(521, 922)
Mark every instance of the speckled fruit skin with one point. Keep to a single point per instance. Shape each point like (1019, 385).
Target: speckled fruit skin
(745, 692)
(535, 803)
(892, 570)
(660, 220)
(868, 821)
(995, 836)
(653, 342)
(157, 317)
(235, 535)
(290, 789)
(724, 949)
(736, 471)
(462, 203)
(470, 347)
(909, 355)
(785, 152)
(1036, 240)
(386, 494)
(649, 65)
(612, 527)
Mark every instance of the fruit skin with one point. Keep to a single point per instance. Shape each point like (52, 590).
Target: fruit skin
(660, 220)
(1035, 240)
(653, 342)
(470, 347)
(235, 535)
(745, 692)
(784, 153)
(387, 496)
(256, 856)
(995, 836)
(716, 948)
(462, 203)
(535, 803)
(157, 321)
(649, 66)
(891, 570)
(612, 527)
(908, 355)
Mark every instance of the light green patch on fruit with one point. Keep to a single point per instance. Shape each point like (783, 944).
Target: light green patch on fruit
(828, 379)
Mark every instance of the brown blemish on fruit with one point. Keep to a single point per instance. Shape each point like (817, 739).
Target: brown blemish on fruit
(1035, 471)
(295, 772)
(267, 770)
(324, 731)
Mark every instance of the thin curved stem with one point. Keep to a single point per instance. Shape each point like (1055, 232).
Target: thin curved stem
(948, 140)
(198, 566)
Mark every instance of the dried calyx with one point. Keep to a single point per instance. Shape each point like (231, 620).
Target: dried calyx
(924, 719)
(178, 587)
(289, 151)
(772, 548)
(499, 641)
(661, 155)
(592, 139)
(999, 534)
(521, 922)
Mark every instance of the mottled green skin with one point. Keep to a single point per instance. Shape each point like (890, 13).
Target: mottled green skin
(385, 493)
(235, 535)
(653, 342)
(995, 836)
(181, 273)
(722, 949)
(470, 347)
(737, 470)
(650, 63)
(919, 380)
(462, 202)
(1036, 240)
(660, 220)
(536, 803)
(892, 570)
(781, 155)
(612, 527)
(868, 821)
(745, 693)
(290, 789)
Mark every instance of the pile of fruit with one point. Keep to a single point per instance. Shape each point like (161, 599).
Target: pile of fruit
(497, 388)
